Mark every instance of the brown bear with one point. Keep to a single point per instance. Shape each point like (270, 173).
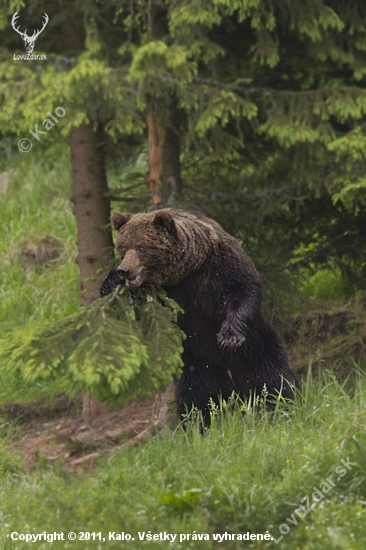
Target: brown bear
(229, 346)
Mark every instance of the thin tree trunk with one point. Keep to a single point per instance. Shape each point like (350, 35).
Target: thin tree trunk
(164, 164)
(92, 212)
(162, 123)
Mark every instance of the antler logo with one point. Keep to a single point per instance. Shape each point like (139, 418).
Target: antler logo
(29, 41)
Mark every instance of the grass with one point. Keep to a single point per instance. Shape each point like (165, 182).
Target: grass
(248, 473)
(35, 204)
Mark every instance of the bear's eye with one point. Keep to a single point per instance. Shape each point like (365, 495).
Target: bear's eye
(122, 250)
(141, 249)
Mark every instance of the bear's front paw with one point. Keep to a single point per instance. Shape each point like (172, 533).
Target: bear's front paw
(226, 338)
(114, 279)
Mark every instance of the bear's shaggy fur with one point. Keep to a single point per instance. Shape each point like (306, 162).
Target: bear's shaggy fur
(229, 346)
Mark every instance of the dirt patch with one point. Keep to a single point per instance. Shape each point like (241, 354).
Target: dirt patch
(62, 435)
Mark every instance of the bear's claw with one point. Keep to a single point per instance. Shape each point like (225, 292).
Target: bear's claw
(226, 339)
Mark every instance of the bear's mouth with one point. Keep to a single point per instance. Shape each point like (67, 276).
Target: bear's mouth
(135, 281)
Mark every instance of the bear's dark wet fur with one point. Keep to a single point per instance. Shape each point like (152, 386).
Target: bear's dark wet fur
(229, 346)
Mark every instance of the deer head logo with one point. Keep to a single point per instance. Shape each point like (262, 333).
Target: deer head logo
(29, 41)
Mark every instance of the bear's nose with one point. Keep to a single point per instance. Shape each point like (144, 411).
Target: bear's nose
(122, 270)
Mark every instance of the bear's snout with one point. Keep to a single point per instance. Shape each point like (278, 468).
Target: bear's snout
(131, 268)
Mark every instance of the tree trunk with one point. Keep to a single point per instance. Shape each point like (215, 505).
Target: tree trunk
(92, 212)
(164, 164)
(162, 123)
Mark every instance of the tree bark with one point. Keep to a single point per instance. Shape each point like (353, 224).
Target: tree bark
(162, 122)
(164, 163)
(92, 212)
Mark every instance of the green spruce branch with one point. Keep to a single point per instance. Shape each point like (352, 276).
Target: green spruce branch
(122, 347)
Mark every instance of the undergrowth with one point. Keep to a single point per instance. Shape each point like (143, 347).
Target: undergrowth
(248, 473)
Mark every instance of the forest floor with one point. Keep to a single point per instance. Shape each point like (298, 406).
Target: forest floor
(51, 432)
(57, 432)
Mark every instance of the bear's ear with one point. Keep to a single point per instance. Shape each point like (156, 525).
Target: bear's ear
(118, 219)
(166, 221)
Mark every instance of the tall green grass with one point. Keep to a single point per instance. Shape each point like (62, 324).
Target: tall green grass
(36, 203)
(247, 473)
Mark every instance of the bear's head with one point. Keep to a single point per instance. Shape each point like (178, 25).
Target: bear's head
(150, 247)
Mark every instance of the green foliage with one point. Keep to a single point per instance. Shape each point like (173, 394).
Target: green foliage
(326, 285)
(10, 461)
(35, 204)
(118, 349)
(183, 502)
(247, 473)
(222, 107)
(353, 195)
